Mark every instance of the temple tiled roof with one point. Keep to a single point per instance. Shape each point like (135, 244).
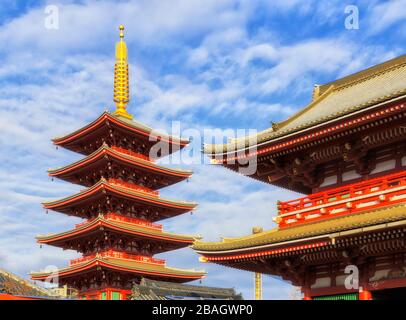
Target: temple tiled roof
(391, 215)
(131, 124)
(142, 196)
(123, 227)
(140, 268)
(12, 284)
(336, 99)
(136, 161)
(149, 289)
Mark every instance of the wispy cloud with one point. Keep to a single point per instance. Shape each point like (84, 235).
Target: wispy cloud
(386, 15)
(229, 64)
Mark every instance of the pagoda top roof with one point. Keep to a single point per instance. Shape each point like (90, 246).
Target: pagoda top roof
(384, 217)
(127, 192)
(121, 226)
(126, 265)
(337, 99)
(132, 126)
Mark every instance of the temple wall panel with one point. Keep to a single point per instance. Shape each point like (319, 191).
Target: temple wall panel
(350, 175)
(323, 282)
(328, 181)
(379, 274)
(384, 166)
(341, 279)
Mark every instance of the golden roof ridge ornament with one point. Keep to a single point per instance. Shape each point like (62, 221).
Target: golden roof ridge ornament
(121, 79)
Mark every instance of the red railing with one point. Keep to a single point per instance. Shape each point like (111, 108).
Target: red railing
(117, 217)
(344, 200)
(131, 153)
(144, 223)
(117, 255)
(134, 187)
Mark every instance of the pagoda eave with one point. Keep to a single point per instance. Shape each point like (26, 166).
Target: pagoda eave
(116, 265)
(100, 225)
(103, 188)
(107, 121)
(102, 159)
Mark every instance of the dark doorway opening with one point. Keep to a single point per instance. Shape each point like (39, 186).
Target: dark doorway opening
(390, 294)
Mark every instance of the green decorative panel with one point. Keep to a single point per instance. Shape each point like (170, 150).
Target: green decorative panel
(115, 295)
(346, 296)
(104, 296)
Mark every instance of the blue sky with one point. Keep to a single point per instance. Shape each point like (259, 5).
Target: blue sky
(208, 64)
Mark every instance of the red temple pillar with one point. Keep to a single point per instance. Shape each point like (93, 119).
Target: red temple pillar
(364, 294)
(307, 295)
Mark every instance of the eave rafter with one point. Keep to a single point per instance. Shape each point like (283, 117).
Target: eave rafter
(100, 198)
(102, 225)
(107, 162)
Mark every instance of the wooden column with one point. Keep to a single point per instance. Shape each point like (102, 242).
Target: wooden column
(307, 296)
(364, 294)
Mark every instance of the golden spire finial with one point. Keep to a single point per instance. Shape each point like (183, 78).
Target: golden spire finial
(121, 27)
(121, 80)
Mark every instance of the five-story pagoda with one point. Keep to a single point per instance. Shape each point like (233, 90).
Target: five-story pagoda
(121, 204)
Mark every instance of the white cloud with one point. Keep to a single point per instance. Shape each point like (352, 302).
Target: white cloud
(86, 26)
(198, 57)
(260, 51)
(385, 15)
(54, 81)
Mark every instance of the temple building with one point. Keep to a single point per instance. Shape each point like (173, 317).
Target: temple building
(13, 287)
(158, 290)
(121, 204)
(346, 152)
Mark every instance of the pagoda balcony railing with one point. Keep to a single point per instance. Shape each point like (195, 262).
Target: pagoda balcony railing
(131, 153)
(133, 186)
(118, 217)
(117, 255)
(144, 223)
(348, 199)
